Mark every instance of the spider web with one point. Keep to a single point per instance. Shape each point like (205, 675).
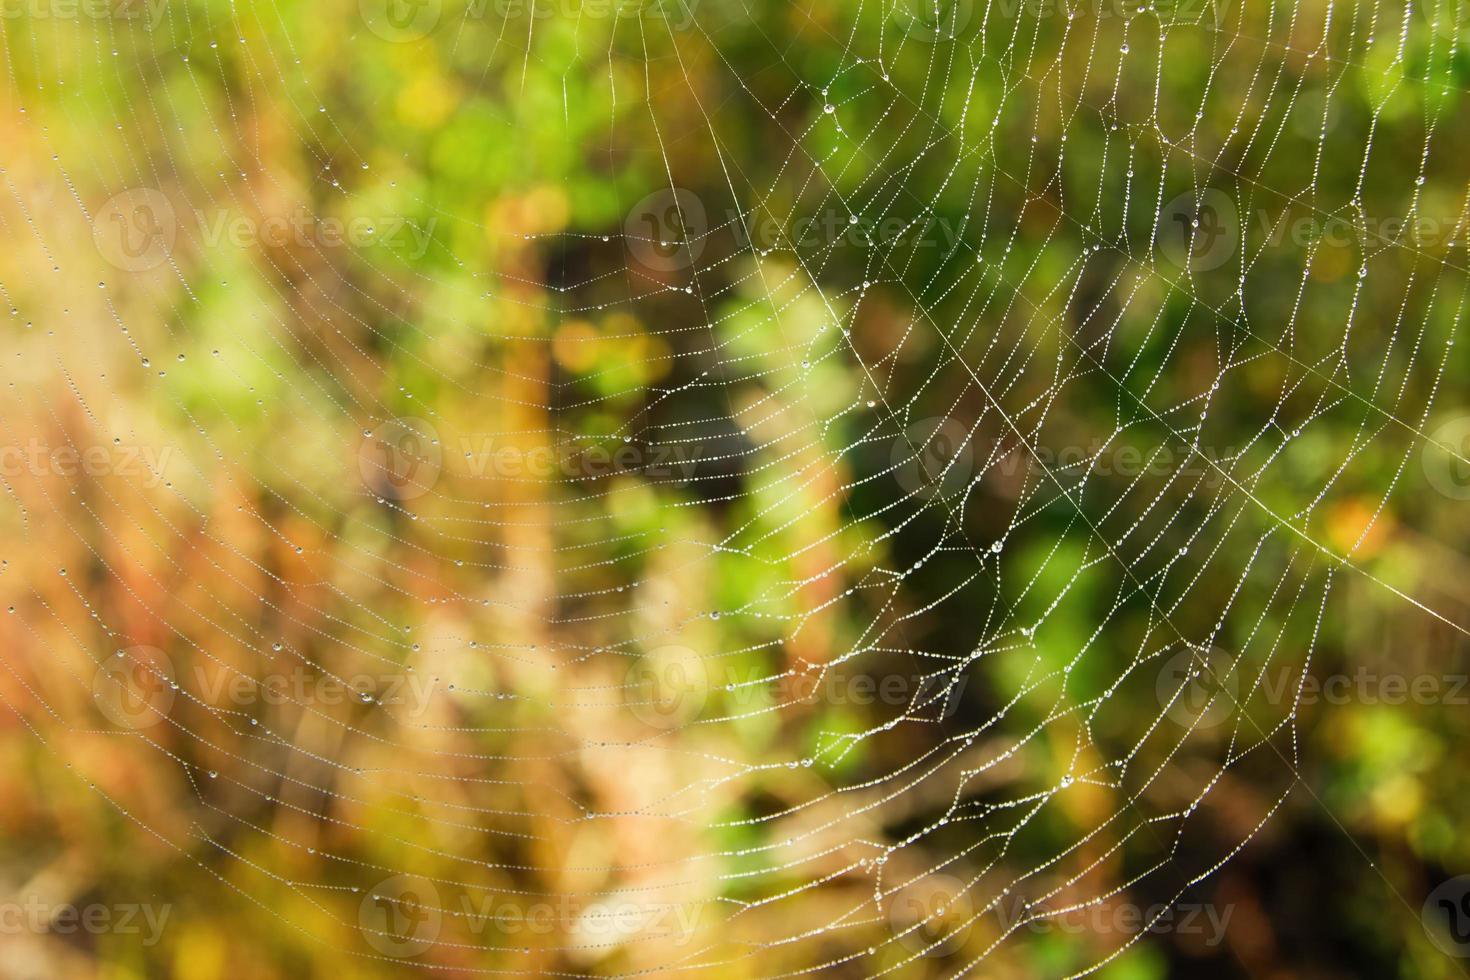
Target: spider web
(831, 497)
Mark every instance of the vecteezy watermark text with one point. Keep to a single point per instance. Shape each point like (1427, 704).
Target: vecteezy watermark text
(138, 229)
(1203, 231)
(403, 458)
(938, 456)
(33, 915)
(670, 685)
(404, 915)
(402, 21)
(934, 21)
(151, 12)
(36, 458)
(669, 229)
(933, 916)
(1200, 690)
(138, 687)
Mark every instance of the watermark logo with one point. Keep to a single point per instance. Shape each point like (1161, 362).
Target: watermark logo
(135, 687)
(665, 231)
(666, 687)
(1444, 458)
(1446, 917)
(1196, 688)
(933, 21)
(401, 916)
(399, 21)
(1446, 17)
(1199, 234)
(931, 916)
(933, 457)
(400, 459)
(136, 229)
